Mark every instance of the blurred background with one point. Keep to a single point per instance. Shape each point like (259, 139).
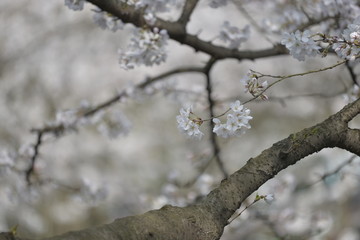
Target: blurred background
(53, 59)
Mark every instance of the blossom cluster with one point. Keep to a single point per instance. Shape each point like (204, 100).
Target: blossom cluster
(300, 44)
(349, 46)
(253, 86)
(107, 21)
(152, 7)
(146, 47)
(188, 124)
(347, 9)
(236, 124)
(234, 35)
(237, 121)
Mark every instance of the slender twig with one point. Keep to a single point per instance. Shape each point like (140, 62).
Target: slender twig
(281, 78)
(271, 225)
(200, 172)
(328, 174)
(287, 97)
(215, 146)
(31, 168)
(60, 127)
(252, 21)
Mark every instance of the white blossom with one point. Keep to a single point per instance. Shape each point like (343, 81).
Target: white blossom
(236, 106)
(253, 86)
(75, 5)
(234, 35)
(349, 47)
(237, 121)
(300, 44)
(189, 125)
(220, 129)
(146, 48)
(150, 18)
(153, 7)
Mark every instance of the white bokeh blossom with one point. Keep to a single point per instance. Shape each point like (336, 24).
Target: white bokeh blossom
(107, 21)
(233, 35)
(352, 94)
(76, 5)
(300, 44)
(71, 118)
(285, 18)
(153, 7)
(114, 124)
(91, 193)
(146, 48)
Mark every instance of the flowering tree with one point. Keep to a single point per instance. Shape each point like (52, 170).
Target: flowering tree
(302, 29)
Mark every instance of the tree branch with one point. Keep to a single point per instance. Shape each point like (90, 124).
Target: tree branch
(60, 127)
(31, 168)
(177, 31)
(215, 145)
(207, 219)
(187, 11)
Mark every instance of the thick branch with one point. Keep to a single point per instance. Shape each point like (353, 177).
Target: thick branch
(187, 11)
(177, 31)
(207, 219)
(352, 141)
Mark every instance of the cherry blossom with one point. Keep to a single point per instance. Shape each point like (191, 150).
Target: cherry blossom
(237, 121)
(188, 125)
(146, 48)
(253, 86)
(300, 44)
